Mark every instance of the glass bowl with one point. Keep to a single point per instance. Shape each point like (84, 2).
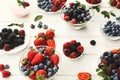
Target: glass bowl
(44, 9)
(102, 28)
(28, 67)
(78, 25)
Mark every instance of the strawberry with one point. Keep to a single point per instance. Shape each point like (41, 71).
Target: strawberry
(118, 5)
(38, 58)
(6, 74)
(73, 21)
(49, 51)
(73, 55)
(72, 4)
(6, 47)
(73, 42)
(115, 51)
(54, 59)
(26, 4)
(39, 41)
(80, 49)
(84, 76)
(66, 45)
(31, 54)
(66, 18)
(51, 43)
(50, 34)
(41, 34)
(113, 2)
(2, 67)
(21, 32)
(41, 73)
(54, 9)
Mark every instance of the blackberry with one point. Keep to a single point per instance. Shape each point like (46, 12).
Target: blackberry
(78, 44)
(0, 34)
(105, 54)
(15, 31)
(93, 42)
(22, 37)
(4, 30)
(73, 48)
(9, 30)
(5, 35)
(1, 45)
(12, 46)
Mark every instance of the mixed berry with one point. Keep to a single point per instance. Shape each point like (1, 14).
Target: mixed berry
(10, 39)
(45, 38)
(111, 29)
(51, 5)
(115, 3)
(110, 65)
(40, 64)
(94, 1)
(73, 49)
(76, 13)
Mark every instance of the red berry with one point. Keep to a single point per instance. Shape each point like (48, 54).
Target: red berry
(39, 41)
(54, 9)
(80, 49)
(66, 18)
(6, 74)
(50, 34)
(54, 59)
(26, 4)
(66, 45)
(66, 52)
(72, 4)
(73, 55)
(104, 61)
(73, 21)
(21, 32)
(6, 47)
(41, 34)
(73, 42)
(42, 73)
(2, 67)
(113, 2)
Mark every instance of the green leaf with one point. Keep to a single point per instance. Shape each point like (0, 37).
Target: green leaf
(97, 70)
(37, 18)
(16, 24)
(112, 14)
(97, 8)
(80, 4)
(19, 1)
(106, 14)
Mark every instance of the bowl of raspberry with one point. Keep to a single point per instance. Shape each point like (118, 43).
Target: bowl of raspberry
(42, 63)
(73, 50)
(76, 14)
(50, 6)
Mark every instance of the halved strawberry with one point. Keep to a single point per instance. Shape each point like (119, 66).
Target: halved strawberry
(6, 74)
(51, 43)
(31, 54)
(54, 59)
(84, 76)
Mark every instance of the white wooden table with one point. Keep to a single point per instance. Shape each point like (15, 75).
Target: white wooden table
(64, 32)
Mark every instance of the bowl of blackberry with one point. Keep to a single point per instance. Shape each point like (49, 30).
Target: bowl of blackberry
(76, 14)
(40, 63)
(73, 50)
(109, 65)
(50, 6)
(13, 40)
(111, 30)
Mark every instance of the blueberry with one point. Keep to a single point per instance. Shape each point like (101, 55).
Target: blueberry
(105, 57)
(111, 77)
(110, 54)
(32, 26)
(115, 56)
(101, 57)
(41, 65)
(55, 69)
(49, 70)
(115, 78)
(42, 50)
(50, 74)
(109, 22)
(23, 68)
(105, 54)
(93, 42)
(48, 63)
(7, 66)
(45, 67)
(4, 30)
(116, 75)
(36, 67)
(45, 27)
(39, 25)
(47, 57)
(26, 73)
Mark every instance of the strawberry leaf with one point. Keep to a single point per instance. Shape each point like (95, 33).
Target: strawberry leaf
(112, 14)
(38, 17)
(106, 14)
(16, 24)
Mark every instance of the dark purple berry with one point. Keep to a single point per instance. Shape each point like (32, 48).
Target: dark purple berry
(93, 42)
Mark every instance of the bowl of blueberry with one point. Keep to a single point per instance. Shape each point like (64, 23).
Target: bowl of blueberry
(42, 63)
(50, 6)
(111, 30)
(76, 14)
(109, 65)
(73, 50)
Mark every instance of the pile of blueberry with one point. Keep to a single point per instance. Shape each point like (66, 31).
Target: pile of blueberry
(10, 39)
(110, 64)
(51, 5)
(76, 13)
(112, 29)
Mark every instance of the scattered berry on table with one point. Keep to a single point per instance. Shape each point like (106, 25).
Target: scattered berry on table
(2, 67)
(32, 26)
(6, 74)
(93, 42)
(7, 66)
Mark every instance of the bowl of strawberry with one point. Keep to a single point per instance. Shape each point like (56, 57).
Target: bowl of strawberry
(42, 63)
(76, 14)
(50, 6)
(109, 66)
(73, 50)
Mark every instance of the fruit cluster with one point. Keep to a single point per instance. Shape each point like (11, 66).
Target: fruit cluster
(40, 64)
(45, 38)
(73, 49)
(84, 76)
(115, 3)
(5, 73)
(51, 5)
(110, 64)
(94, 1)
(76, 13)
(112, 29)
(10, 39)
(23, 3)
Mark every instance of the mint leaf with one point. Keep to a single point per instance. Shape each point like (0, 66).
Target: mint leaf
(37, 18)
(16, 24)
(106, 14)
(97, 8)
(97, 70)
(112, 14)
(19, 1)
